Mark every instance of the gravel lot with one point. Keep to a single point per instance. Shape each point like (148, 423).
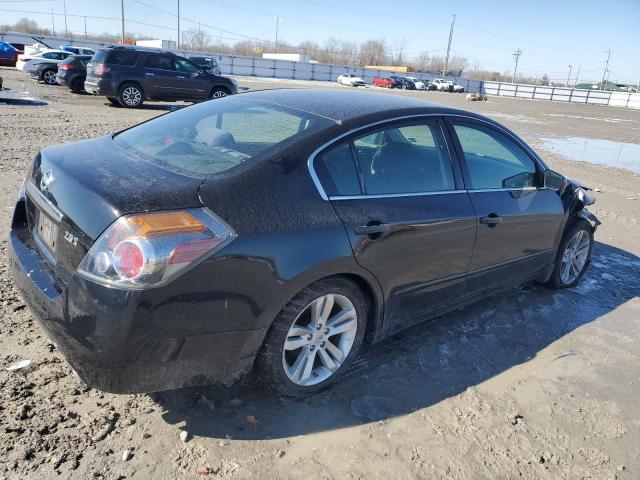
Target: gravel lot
(535, 384)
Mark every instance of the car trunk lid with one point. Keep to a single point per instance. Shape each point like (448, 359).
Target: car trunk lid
(75, 191)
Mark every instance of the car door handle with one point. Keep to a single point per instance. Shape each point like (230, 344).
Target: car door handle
(180, 76)
(373, 228)
(149, 74)
(491, 220)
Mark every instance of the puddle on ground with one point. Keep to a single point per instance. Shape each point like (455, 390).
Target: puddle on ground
(597, 151)
(9, 97)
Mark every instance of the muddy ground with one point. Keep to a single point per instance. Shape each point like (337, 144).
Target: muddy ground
(534, 384)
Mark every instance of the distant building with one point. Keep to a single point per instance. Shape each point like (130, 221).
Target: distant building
(164, 44)
(391, 68)
(291, 57)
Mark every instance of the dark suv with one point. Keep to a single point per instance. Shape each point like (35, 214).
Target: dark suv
(72, 72)
(129, 76)
(404, 82)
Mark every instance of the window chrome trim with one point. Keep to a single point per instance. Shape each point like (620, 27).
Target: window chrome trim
(394, 195)
(43, 202)
(513, 189)
(503, 130)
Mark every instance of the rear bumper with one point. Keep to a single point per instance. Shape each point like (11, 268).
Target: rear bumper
(115, 340)
(97, 86)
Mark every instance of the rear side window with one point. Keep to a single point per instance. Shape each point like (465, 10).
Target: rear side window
(127, 58)
(54, 56)
(213, 137)
(337, 171)
(160, 62)
(405, 159)
(493, 159)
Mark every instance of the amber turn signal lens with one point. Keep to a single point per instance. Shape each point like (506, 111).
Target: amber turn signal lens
(165, 223)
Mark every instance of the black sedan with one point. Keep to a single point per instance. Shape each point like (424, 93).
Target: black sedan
(273, 232)
(72, 72)
(42, 71)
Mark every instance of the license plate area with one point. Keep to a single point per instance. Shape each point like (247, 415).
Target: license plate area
(46, 231)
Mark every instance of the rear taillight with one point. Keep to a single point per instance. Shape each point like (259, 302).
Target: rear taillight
(100, 69)
(149, 249)
(65, 66)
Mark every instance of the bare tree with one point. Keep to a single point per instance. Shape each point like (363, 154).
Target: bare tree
(374, 52)
(399, 47)
(195, 39)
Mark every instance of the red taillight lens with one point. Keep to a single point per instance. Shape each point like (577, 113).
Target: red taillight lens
(128, 259)
(149, 249)
(65, 66)
(100, 69)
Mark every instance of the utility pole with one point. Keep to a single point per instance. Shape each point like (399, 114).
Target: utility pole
(577, 75)
(178, 24)
(606, 69)
(277, 19)
(53, 24)
(516, 58)
(66, 31)
(446, 60)
(85, 28)
(122, 13)
(569, 76)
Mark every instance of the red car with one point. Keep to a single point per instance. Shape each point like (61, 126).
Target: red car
(8, 54)
(384, 82)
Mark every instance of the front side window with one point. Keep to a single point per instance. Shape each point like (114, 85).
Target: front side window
(494, 160)
(213, 137)
(184, 65)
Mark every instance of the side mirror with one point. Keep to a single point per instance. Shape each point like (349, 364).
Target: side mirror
(554, 181)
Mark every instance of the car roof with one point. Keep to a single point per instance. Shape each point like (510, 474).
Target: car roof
(346, 105)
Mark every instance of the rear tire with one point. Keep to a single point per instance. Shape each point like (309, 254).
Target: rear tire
(336, 301)
(573, 256)
(130, 95)
(49, 77)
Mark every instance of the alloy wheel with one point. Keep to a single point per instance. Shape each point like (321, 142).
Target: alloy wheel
(319, 340)
(219, 94)
(131, 96)
(49, 77)
(574, 257)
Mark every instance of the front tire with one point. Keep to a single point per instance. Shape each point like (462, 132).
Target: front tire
(130, 95)
(218, 92)
(573, 257)
(314, 338)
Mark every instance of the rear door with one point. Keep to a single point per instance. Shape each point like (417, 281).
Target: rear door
(519, 221)
(409, 221)
(160, 76)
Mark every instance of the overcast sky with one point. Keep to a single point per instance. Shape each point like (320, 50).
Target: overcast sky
(551, 34)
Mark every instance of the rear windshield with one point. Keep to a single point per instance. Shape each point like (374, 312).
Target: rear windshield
(116, 57)
(215, 136)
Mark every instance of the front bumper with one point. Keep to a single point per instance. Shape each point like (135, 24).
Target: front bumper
(125, 341)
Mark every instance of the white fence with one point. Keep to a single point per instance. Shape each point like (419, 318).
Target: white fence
(563, 94)
(267, 68)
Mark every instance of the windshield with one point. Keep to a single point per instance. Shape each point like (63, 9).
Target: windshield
(215, 136)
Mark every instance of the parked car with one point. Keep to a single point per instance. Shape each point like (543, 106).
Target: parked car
(420, 84)
(385, 82)
(457, 88)
(403, 82)
(77, 50)
(430, 85)
(208, 63)
(129, 76)
(443, 85)
(72, 72)
(351, 80)
(42, 70)
(1, 84)
(8, 54)
(54, 55)
(276, 230)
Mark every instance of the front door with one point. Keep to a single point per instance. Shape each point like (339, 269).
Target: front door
(519, 221)
(192, 82)
(409, 221)
(160, 76)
